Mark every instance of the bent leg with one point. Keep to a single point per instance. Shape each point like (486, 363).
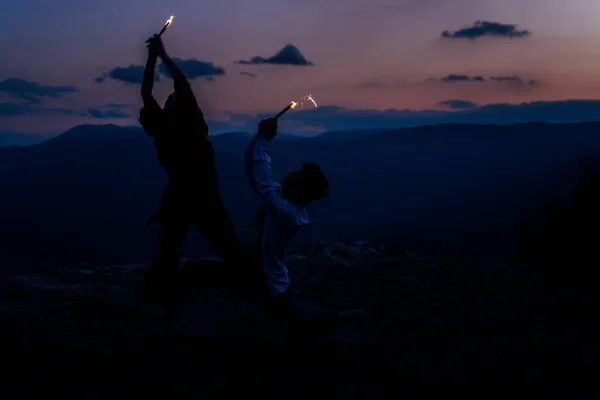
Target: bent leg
(163, 269)
(214, 225)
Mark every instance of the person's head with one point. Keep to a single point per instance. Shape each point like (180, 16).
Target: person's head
(306, 185)
(268, 127)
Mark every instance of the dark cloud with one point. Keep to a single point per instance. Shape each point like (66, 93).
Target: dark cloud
(11, 110)
(132, 74)
(462, 78)
(515, 80)
(333, 118)
(194, 69)
(455, 104)
(105, 114)
(30, 92)
(15, 110)
(289, 55)
(249, 74)
(487, 28)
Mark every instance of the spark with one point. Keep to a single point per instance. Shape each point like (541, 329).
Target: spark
(169, 21)
(294, 104)
(309, 97)
(167, 24)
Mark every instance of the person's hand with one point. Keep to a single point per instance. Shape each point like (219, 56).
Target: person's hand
(268, 127)
(155, 46)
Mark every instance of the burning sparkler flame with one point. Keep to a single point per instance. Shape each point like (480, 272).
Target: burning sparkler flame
(166, 25)
(293, 105)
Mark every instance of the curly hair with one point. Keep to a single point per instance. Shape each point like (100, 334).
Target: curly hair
(309, 183)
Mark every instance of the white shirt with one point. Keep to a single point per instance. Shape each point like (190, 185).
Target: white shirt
(283, 219)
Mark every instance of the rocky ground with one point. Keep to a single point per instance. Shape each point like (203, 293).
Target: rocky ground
(429, 322)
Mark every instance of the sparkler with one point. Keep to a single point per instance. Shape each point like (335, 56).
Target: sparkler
(167, 24)
(286, 109)
(164, 28)
(293, 105)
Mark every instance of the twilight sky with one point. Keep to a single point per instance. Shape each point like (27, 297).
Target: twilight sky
(363, 56)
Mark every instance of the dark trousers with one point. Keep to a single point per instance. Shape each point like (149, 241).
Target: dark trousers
(210, 217)
(283, 308)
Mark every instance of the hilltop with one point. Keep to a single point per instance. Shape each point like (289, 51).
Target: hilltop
(453, 325)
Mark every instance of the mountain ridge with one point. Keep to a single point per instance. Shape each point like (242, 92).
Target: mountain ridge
(458, 188)
(113, 131)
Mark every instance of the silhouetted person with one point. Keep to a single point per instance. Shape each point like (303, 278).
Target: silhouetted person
(191, 197)
(282, 214)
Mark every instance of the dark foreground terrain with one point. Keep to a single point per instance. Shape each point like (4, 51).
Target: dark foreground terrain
(80, 332)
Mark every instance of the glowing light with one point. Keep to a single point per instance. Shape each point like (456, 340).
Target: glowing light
(166, 25)
(308, 97)
(294, 104)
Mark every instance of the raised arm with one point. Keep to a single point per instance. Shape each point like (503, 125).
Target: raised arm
(257, 164)
(180, 82)
(148, 80)
(186, 99)
(172, 68)
(151, 115)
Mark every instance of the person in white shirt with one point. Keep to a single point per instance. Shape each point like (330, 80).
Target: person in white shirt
(282, 214)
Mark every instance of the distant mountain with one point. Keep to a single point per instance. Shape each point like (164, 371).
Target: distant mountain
(250, 135)
(84, 195)
(98, 132)
(8, 138)
(336, 136)
(111, 131)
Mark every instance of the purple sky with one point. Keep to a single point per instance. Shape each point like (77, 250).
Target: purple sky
(367, 54)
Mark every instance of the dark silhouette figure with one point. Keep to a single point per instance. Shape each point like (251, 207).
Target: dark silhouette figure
(282, 214)
(192, 195)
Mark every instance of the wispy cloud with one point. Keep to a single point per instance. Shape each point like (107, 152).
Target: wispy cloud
(15, 110)
(453, 78)
(31, 92)
(486, 28)
(515, 80)
(334, 118)
(133, 74)
(194, 69)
